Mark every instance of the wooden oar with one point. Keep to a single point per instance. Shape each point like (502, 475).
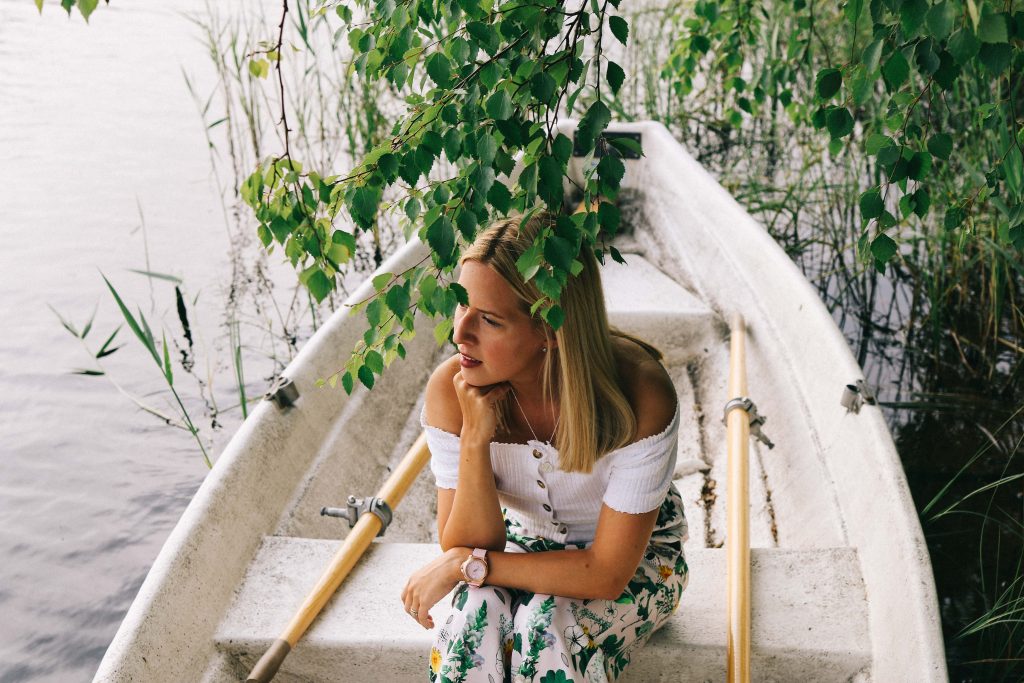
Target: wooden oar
(738, 512)
(355, 544)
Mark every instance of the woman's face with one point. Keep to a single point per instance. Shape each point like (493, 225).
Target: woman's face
(494, 330)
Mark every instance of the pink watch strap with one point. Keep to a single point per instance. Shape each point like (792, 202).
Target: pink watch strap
(480, 552)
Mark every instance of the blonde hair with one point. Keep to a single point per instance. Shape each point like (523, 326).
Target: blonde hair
(594, 415)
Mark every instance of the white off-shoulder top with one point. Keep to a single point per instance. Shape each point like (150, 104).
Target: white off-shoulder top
(564, 506)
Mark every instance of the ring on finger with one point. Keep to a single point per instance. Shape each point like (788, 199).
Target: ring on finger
(414, 613)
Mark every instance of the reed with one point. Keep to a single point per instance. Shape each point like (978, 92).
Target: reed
(236, 363)
(989, 639)
(336, 116)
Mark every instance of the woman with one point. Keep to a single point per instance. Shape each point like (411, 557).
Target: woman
(569, 547)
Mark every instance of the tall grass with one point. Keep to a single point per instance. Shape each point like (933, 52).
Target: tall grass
(979, 510)
(335, 117)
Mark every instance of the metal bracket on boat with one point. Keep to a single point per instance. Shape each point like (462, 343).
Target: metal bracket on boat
(360, 506)
(856, 395)
(755, 420)
(282, 392)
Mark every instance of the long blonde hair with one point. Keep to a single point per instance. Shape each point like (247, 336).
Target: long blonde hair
(595, 416)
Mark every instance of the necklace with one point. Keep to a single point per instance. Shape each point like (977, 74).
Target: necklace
(548, 442)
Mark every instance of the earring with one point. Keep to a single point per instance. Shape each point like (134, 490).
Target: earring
(544, 349)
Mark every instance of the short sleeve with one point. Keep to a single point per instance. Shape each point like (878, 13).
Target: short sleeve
(444, 454)
(641, 473)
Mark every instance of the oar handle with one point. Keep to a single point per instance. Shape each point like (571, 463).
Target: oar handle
(269, 663)
(355, 544)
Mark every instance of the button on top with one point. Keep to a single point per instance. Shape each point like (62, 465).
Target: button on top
(537, 454)
(541, 484)
(546, 507)
(562, 529)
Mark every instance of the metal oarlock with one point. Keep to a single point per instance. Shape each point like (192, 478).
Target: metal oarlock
(283, 392)
(856, 395)
(755, 420)
(360, 506)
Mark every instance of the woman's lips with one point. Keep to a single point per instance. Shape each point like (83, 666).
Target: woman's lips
(467, 362)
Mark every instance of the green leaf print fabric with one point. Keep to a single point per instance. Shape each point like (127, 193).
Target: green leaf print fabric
(500, 635)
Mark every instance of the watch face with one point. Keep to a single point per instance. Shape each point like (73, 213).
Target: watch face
(475, 571)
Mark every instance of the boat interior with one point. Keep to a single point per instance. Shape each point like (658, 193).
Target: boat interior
(828, 505)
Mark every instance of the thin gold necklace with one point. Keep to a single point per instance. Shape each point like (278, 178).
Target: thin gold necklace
(548, 442)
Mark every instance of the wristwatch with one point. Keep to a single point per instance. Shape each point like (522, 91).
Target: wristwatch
(474, 569)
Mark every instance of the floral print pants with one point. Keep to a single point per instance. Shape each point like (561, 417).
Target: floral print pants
(504, 635)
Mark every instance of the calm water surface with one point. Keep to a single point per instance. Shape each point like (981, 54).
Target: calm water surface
(96, 122)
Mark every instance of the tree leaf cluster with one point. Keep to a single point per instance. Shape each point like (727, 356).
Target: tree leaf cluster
(482, 85)
(85, 7)
(901, 86)
(917, 59)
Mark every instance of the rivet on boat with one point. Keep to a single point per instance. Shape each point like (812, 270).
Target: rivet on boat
(283, 392)
(856, 395)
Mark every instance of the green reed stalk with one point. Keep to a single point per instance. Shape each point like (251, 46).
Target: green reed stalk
(236, 361)
(145, 335)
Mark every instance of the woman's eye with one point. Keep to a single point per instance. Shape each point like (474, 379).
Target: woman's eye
(490, 322)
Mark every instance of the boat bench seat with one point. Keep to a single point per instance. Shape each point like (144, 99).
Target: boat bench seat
(808, 618)
(666, 315)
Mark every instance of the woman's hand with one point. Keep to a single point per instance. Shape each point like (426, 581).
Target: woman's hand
(431, 582)
(479, 418)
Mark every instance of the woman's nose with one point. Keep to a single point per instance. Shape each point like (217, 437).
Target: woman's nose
(461, 328)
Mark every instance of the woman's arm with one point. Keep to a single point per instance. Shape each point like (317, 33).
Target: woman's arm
(469, 515)
(602, 570)
(475, 518)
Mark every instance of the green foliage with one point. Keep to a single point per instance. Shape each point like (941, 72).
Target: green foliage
(482, 86)
(928, 75)
(952, 46)
(86, 7)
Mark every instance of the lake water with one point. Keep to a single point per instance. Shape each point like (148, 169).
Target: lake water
(96, 123)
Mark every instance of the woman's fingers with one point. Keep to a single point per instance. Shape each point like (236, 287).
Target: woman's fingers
(412, 608)
(477, 404)
(416, 609)
(497, 392)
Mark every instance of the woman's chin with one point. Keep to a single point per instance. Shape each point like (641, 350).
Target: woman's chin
(481, 380)
(474, 380)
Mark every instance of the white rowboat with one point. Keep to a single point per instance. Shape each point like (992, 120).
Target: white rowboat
(841, 584)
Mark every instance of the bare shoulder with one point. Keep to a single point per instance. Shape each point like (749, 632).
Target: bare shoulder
(647, 386)
(442, 403)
